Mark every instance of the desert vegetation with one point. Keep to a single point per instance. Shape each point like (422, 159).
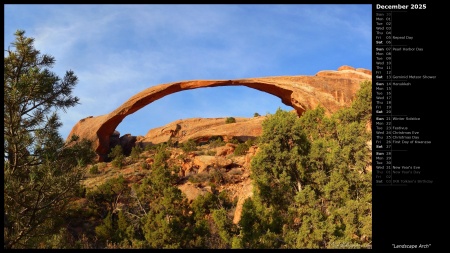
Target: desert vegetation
(311, 178)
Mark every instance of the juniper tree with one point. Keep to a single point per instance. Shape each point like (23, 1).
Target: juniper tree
(41, 171)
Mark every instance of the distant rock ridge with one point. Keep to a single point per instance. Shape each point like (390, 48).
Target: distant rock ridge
(329, 88)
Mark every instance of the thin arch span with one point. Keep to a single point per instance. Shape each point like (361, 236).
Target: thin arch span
(331, 89)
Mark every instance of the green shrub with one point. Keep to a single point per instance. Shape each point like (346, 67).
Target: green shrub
(117, 162)
(80, 191)
(251, 142)
(241, 148)
(189, 146)
(181, 157)
(211, 153)
(117, 155)
(256, 114)
(148, 147)
(216, 142)
(234, 141)
(115, 152)
(216, 176)
(135, 152)
(171, 143)
(94, 169)
(230, 120)
(145, 166)
(155, 147)
(101, 165)
(200, 178)
(235, 171)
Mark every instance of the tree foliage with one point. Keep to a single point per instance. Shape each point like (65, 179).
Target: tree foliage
(136, 152)
(230, 120)
(117, 156)
(166, 223)
(41, 171)
(189, 145)
(312, 186)
(278, 169)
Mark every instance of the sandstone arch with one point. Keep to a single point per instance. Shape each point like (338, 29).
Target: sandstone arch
(331, 89)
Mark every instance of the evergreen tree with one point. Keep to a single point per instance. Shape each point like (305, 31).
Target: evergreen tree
(224, 225)
(136, 152)
(278, 173)
(278, 168)
(167, 222)
(312, 188)
(105, 198)
(41, 171)
(117, 156)
(334, 209)
(106, 231)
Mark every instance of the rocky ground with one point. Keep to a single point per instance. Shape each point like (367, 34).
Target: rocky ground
(210, 165)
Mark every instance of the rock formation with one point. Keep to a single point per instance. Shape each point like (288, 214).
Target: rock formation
(331, 89)
(202, 129)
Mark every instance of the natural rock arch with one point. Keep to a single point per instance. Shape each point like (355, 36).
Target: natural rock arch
(331, 89)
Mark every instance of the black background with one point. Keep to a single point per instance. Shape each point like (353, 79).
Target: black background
(411, 214)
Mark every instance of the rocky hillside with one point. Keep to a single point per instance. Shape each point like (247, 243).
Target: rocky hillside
(220, 159)
(220, 153)
(202, 129)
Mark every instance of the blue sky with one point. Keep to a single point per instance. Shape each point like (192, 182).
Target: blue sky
(117, 51)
